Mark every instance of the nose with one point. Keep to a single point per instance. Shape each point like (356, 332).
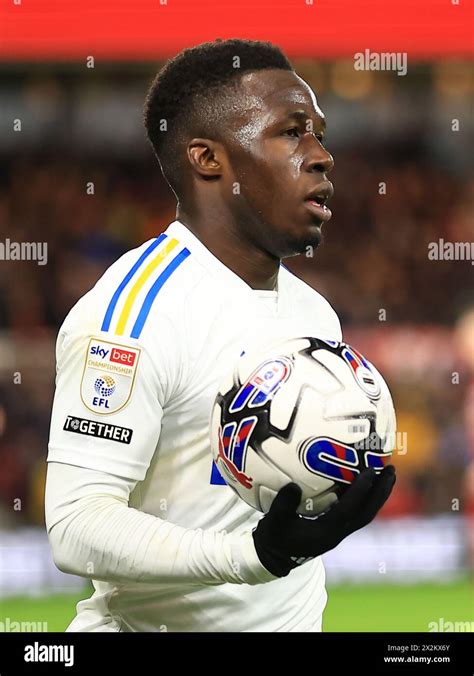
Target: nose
(318, 159)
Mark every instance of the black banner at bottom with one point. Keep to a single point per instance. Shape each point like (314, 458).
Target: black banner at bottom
(94, 653)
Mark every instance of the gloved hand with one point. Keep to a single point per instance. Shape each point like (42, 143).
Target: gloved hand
(284, 539)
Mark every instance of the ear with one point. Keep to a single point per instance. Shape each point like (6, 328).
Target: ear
(205, 157)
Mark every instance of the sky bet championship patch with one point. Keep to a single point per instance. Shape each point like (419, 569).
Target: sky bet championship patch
(109, 375)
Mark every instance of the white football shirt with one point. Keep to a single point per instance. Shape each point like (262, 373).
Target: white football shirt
(139, 361)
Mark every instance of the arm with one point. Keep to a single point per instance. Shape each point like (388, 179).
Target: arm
(91, 472)
(93, 533)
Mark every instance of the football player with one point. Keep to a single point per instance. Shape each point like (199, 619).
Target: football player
(133, 500)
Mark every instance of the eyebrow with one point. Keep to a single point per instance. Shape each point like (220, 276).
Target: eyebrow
(300, 115)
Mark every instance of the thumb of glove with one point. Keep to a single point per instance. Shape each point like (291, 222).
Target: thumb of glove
(286, 501)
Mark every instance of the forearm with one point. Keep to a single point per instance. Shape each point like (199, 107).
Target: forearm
(93, 533)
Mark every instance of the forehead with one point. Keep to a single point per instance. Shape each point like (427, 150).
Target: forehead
(275, 92)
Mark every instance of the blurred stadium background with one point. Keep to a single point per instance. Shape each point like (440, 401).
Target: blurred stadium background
(413, 317)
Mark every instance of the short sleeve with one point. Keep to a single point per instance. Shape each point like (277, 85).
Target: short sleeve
(108, 404)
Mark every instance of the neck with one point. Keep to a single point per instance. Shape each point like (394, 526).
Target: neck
(256, 267)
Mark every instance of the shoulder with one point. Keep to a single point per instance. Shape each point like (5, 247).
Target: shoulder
(310, 298)
(147, 284)
(136, 312)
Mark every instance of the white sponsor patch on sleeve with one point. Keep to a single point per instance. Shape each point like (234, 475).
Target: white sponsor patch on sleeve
(109, 375)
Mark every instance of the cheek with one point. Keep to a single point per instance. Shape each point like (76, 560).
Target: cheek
(268, 175)
(284, 164)
(295, 162)
(274, 171)
(284, 175)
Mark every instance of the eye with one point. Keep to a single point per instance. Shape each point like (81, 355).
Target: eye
(293, 131)
(320, 138)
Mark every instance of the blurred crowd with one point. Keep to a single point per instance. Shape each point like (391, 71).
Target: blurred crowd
(374, 257)
(412, 315)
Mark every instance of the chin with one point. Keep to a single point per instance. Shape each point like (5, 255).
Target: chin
(313, 237)
(316, 235)
(285, 243)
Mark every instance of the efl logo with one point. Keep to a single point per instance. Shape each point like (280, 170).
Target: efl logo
(123, 356)
(109, 375)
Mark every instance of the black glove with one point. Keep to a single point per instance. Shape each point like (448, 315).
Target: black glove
(284, 539)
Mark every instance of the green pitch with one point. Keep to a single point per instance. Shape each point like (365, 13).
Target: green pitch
(395, 608)
(388, 608)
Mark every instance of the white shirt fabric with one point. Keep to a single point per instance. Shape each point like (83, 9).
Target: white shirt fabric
(133, 501)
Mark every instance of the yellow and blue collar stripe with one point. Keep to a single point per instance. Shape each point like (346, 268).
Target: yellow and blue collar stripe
(137, 278)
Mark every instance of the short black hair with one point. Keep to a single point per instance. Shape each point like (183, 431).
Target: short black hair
(190, 93)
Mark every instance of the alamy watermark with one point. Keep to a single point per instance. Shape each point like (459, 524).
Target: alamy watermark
(24, 251)
(38, 652)
(7, 625)
(451, 251)
(367, 60)
(397, 441)
(446, 625)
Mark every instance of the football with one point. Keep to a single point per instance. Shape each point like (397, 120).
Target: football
(306, 410)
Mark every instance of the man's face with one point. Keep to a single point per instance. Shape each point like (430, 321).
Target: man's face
(276, 153)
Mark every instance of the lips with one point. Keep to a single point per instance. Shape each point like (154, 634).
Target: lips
(321, 211)
(316, 200)
(321, 193)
